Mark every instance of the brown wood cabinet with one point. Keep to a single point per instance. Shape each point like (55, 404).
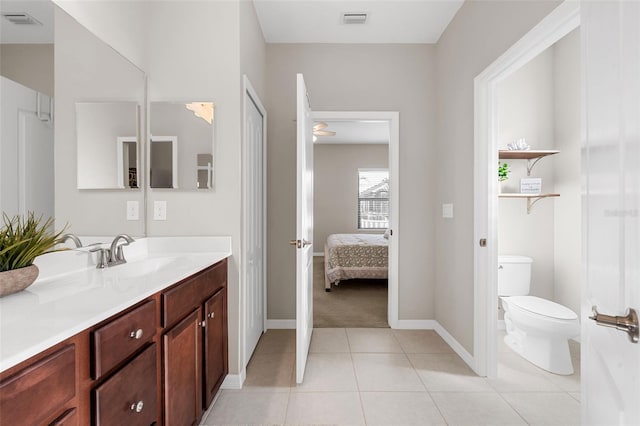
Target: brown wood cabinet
(159, 362)
(195, 345)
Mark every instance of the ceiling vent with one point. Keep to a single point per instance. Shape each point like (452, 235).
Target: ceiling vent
(21, 18)
(354, 18)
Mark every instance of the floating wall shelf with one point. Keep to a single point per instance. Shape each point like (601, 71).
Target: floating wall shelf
(532, 157)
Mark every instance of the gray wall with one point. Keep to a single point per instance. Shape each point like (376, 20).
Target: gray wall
(525, 110)
(567, 172)
(355, 77)
(479, 33)
(29, 64)
(335, 186)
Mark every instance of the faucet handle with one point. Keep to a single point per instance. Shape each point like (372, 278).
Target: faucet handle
(103, 257)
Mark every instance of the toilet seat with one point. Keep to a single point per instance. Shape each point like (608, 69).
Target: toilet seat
(542, 307)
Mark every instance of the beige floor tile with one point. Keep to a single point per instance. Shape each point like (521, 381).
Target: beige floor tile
(476, 409)
(575, 395)
(373, 340)
(447, 372)
(400, 408)
(421, 342)
(515, 374)
(338, 408)
(270, 372)
(330, 340)
(327, 372)
(566, 383)
(545, 408)
(277, 342)
(237, 408)
(502, 346)
(386, 372)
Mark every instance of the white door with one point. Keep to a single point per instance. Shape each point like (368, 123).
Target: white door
(304, 230)
(254, 221)
(611, 156)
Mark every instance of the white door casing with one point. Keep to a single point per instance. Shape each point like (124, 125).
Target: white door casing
(611, 209)
(561, 21)
(254, 216)
(304, 228)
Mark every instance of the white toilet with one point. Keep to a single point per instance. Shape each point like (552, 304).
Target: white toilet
(537, 329)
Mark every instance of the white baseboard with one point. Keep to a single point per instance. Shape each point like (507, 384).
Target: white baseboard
(502, 325)
(233, 381)
(318, 254)
(457, 347)
(415, 324)
(279, 324)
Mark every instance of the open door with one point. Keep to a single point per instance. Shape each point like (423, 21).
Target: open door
(304, 230)
(611, 158)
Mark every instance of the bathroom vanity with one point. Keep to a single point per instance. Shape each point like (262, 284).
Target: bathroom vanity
(152, 348)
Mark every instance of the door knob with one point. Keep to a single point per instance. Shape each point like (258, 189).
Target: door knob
(299, 243)
(627, 323)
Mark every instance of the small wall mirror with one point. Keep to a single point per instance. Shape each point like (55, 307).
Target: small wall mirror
(107, 145)
(181, 144)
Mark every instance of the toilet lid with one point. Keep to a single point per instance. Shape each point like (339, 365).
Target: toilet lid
(543, 307)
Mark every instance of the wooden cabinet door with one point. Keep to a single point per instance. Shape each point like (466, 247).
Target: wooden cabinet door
(130, 396)
(215, 344)
(182, 361)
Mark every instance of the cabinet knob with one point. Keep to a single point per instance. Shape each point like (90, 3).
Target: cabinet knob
(203, 324)
(136, 334)
(211, 315)
(137, 406)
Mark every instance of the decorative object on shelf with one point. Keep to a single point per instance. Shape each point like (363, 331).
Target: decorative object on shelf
(519, 145)
(503, 172)
(22, 239)
(530, 185)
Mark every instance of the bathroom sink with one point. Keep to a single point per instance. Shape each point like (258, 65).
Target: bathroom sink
(141, 267)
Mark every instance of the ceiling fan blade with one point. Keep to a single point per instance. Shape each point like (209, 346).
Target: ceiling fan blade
(319, 125)
(324, 133)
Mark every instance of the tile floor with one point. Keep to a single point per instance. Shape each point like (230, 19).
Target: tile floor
(392, 377)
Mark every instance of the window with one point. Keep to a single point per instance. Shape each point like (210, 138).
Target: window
(373, 198)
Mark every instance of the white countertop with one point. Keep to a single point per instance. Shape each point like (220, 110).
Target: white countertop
(71, 295)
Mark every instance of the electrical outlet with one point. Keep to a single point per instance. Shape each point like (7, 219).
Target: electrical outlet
(447, 211)
(133, 210)
(159, 210)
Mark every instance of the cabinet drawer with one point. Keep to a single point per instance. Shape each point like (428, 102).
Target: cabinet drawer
(129, 397)
(68, 418)
(183, 298)
(37, 393)
(114, 342)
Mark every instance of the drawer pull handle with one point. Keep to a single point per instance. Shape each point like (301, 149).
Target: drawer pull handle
(136, 334)
(211, 315)
(137, 406)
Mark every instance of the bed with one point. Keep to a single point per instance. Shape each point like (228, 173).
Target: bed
(348, 256)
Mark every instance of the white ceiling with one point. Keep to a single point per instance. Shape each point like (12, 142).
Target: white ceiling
(389, 21)
(40, 10)
(356, 132)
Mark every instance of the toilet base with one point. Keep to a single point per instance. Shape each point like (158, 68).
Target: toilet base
(548, 354)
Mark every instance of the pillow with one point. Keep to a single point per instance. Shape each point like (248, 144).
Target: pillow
(386, 234)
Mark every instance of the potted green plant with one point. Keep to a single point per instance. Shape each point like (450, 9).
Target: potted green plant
(503, 174)
(22, 239)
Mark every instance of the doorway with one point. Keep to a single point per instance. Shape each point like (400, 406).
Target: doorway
(554, 27)
(387, 123)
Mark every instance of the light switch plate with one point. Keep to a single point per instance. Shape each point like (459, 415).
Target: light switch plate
(159, 210)
(447, 211)
(133, 210)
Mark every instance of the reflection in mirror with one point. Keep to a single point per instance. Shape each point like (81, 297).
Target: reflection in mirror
(181, 145)
(107, 145)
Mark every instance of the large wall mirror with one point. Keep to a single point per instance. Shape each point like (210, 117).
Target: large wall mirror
(181, 145)
(60, 63)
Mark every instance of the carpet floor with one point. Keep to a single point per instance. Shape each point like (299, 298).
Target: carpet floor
(353, 303)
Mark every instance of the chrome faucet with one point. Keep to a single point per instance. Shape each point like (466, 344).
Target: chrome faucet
(116, 254)
(73, 238)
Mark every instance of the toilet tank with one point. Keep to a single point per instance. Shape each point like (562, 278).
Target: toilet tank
(514, 275)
